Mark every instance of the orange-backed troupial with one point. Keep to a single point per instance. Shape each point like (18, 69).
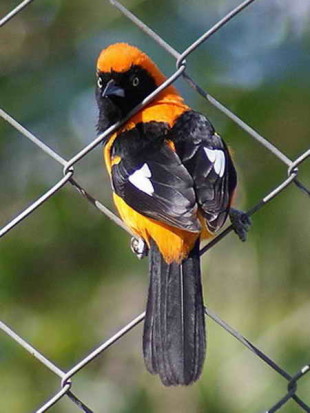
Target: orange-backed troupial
(173, 181)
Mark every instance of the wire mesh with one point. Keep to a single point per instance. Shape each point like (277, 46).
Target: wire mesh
(67, 177)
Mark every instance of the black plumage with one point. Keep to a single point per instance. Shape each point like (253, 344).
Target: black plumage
(192, 134)
(113, 108)
(172, 187)
(173, 200)
(174, 340)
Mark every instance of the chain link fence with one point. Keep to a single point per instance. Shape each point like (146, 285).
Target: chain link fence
(67, 166)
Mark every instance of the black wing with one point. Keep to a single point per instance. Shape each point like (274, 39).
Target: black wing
(151, 179)
(207, 159)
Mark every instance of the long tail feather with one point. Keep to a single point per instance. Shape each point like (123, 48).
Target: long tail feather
(174, 341)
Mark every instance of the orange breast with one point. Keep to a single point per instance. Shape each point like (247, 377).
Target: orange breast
(173, 243)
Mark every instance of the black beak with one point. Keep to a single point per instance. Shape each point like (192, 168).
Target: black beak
(113, 89)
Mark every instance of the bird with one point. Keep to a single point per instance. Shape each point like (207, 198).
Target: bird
(173, 182)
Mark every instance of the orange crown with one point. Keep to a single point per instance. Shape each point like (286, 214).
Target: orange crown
(121, 56)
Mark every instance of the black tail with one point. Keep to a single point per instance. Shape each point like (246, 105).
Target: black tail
(174, 340)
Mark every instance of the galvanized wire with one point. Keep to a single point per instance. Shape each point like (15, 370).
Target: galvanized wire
(67, 177)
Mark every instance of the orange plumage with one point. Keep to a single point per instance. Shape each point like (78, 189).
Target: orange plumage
(172, 180)
(173, 243)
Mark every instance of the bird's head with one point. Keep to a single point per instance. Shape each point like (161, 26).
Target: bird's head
(125, 77)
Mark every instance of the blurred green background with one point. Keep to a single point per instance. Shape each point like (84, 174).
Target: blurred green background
(68, 280)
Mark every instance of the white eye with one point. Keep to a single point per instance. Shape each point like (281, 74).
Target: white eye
(135, 81)
(99, 82)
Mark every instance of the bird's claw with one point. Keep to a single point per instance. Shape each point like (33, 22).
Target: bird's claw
(240, 222)
(139, 247)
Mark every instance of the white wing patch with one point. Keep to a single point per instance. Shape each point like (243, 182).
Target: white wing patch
(217, 157)
(141, 179)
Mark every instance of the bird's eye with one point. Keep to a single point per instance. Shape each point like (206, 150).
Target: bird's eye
(135, 81)
(99, 82)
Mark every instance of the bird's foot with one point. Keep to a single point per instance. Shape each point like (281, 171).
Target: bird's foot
(240, 222)
(139, 247)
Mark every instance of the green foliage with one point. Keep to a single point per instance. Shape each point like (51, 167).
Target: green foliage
(68, 280)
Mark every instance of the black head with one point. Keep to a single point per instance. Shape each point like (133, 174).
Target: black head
(117, 93)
